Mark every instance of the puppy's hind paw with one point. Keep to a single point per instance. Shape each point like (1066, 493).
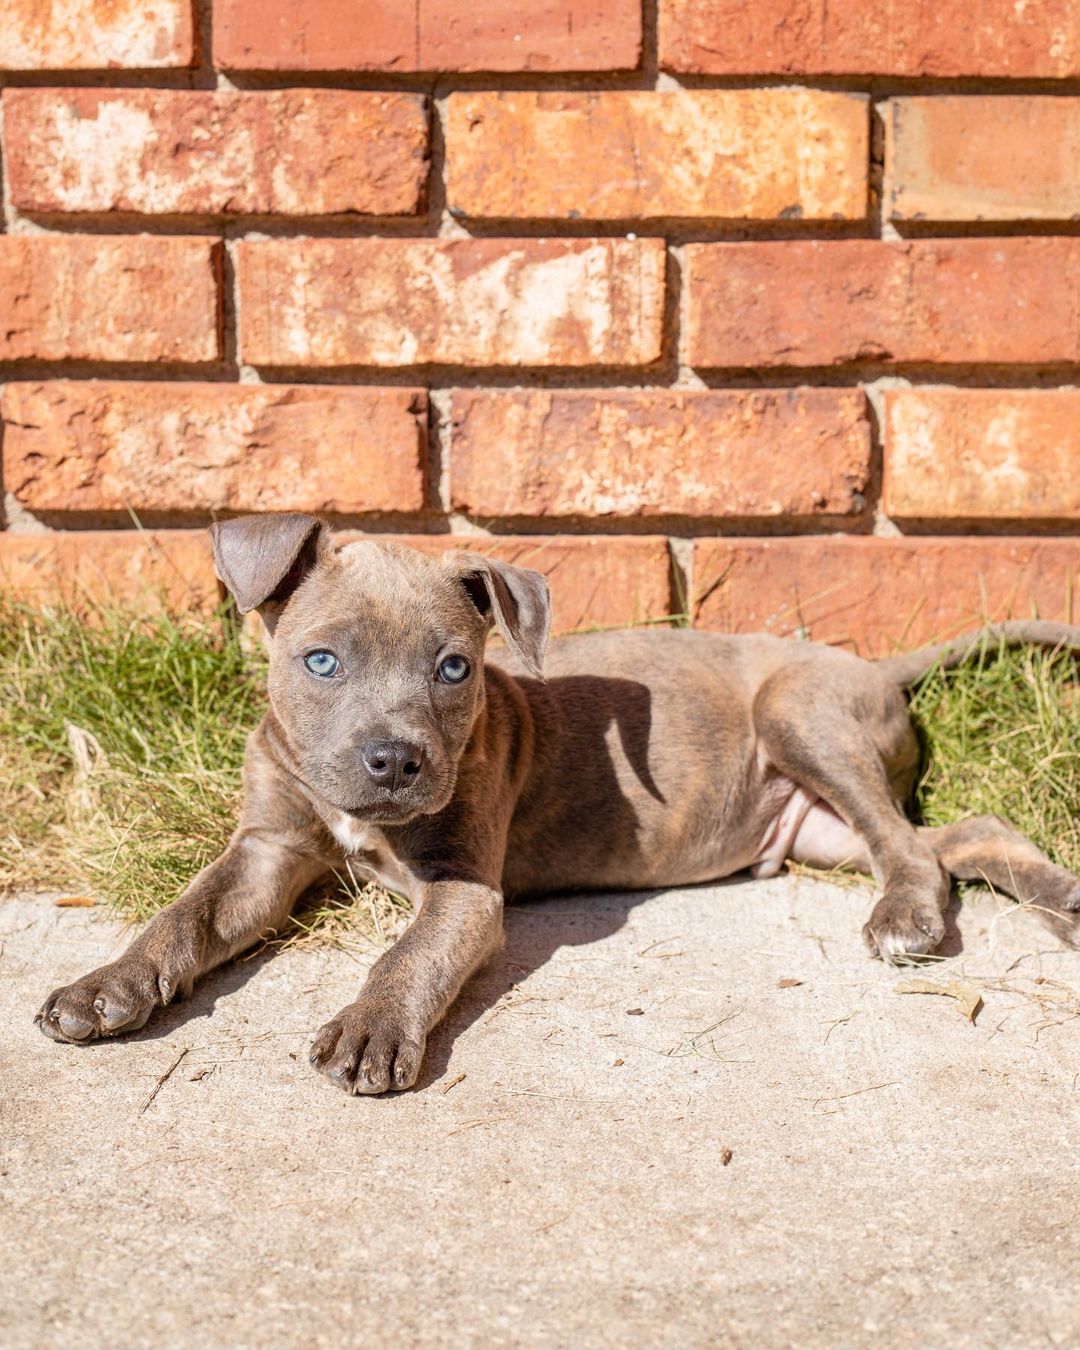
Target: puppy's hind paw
(898, 929)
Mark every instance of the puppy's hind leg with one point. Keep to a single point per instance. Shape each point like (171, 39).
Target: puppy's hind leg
(990, 849)
(853, 746)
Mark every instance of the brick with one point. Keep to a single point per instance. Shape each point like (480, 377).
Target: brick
(96, 34)
(792, 452)
(982, 158)
(494, 302)
(875, 594)
(949, 301)
(431, 35)
(89, 445)
(982, 454)
(996, 38)
(149, 569)
(153, 151)
(109, 298)
(735, 154)
(595, 581)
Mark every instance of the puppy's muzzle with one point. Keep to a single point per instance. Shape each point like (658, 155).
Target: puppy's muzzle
(393, 765)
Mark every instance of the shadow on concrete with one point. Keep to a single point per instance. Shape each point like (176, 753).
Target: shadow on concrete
(534, 931)
(219, 983)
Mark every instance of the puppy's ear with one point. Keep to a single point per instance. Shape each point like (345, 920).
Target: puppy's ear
(516, 598)
(262, 559)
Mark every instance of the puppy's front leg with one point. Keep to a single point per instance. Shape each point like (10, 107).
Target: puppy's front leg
(377, 1043)
(245, 894)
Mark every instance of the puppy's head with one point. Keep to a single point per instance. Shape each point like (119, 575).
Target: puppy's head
(376, 655)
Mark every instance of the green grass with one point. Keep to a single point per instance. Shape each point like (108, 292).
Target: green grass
(121, 742)
(1002, 734)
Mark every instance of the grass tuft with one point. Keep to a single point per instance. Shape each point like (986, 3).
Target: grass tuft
(1001, 734)
(122, 739)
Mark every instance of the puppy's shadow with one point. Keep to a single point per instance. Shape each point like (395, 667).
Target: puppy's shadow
(952, 944)
(534, 931)
(220, 983)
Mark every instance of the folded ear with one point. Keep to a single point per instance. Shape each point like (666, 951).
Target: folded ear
(516, 598)
(264, 558)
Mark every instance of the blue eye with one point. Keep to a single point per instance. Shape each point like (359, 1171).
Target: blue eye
(453, 670)
(322, 663)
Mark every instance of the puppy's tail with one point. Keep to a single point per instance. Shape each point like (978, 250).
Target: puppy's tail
(912, 666)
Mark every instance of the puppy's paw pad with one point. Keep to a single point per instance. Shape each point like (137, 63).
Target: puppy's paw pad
(365, 1051)
(106, 1002)
(69, 1015)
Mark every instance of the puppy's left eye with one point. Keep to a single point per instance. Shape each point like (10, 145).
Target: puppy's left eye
(453, 670)
(322, 663)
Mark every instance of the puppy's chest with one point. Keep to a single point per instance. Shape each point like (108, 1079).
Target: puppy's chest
(370, 853)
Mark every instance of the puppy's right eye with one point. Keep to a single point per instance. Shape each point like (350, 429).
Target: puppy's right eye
(322, 663)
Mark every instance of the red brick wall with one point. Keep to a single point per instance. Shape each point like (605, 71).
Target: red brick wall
(766, 312)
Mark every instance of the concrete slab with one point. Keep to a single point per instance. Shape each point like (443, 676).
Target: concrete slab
(896, 1176)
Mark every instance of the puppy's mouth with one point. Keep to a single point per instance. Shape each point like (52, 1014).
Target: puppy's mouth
(399, 808)
(386, 813)
(369, 804)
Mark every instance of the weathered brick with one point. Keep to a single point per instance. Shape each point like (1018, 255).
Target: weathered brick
(96, 34)
(457, 35)
(1000, 38)
(982, 158)
(797, 452)
(154, 151)
(982, 453)
(88, 445)
(820, 303)
(109, 298)
(148, 569)
(733, 154)
(494, 302)
(876, 594)
(595, 581)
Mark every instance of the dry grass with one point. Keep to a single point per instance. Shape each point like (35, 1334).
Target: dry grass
(121, 741)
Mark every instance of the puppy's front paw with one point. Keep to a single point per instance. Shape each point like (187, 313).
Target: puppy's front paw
(116, 998)
(900, 926)
(367, 1048)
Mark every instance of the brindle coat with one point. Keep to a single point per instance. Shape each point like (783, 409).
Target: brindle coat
(644, 759)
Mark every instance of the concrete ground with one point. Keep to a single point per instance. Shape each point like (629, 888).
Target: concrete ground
(635, 1129)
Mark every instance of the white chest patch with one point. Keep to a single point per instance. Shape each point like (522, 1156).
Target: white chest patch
(374, 857)
(355, 836)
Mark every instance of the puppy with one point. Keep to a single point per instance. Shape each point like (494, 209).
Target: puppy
(645, 759)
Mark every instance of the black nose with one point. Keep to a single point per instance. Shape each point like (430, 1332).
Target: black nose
(393, 764)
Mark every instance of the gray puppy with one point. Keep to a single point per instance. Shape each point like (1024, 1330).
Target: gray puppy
(645, 759)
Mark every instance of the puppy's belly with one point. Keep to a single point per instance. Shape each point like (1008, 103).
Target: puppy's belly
(679, 842)
(787, 822)
(759, 835)
(781, 832)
